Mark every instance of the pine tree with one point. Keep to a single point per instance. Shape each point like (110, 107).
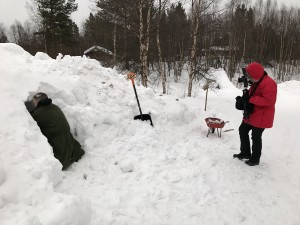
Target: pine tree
(56, 25)
(3, 37)
(178, 39)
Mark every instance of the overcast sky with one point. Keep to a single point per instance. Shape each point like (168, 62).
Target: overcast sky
(10, 10)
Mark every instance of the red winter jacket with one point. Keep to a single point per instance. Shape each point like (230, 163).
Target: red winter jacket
(263, 99)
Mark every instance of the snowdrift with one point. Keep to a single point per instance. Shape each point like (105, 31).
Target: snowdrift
(133, 173)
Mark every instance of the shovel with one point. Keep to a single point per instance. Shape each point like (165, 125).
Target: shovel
(142, 116)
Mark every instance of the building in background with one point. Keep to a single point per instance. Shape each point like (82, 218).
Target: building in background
(101, 54)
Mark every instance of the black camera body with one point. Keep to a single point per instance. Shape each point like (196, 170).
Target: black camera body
(242, 102)
(244, 78)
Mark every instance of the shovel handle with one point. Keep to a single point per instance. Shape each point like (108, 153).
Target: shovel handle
(132, 81)
(131, 77)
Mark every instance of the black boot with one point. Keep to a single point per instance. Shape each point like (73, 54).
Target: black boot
(241, 156)
(252, 162)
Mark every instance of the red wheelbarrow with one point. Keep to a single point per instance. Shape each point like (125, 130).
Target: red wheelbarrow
(213, 124)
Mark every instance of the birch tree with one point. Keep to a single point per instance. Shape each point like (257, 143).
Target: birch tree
(145, 7)
(195, 13)
(161, 63)
(198, 9)
(233, 45)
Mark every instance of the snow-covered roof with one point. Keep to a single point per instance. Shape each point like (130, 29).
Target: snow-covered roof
(97, 48)
(219, 48)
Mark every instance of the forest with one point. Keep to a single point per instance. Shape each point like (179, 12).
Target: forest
(161, 36)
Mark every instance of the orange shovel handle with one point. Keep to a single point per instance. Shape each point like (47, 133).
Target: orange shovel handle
(132, 81)
(131, 77)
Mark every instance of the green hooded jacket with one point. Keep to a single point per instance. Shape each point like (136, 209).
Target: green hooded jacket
(55, 127)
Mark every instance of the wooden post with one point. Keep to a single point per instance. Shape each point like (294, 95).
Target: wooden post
(206, 88)
(206, 99)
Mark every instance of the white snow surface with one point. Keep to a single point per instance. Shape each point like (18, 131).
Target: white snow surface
(132, 173)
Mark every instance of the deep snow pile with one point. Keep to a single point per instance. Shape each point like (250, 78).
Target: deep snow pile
(133, 173)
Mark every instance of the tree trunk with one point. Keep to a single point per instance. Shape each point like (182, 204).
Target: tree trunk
(244, 49)
(195, 24)
(178, 64)
(144, 40)
(232, 44)
(115, 44)
(161, 65)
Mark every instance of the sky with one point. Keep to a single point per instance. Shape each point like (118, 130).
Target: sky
(10, 10)
(133, 173)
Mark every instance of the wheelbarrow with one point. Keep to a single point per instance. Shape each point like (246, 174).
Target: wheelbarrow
(213, 124)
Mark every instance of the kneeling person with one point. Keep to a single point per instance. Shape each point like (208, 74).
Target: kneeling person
(55, 127)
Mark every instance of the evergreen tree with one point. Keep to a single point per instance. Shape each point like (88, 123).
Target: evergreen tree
(56, 25)
(250, 29)
(178, 30)
(114, 27)
(97, 31)
(3, 37)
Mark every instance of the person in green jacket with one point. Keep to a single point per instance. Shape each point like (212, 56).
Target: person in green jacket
(55, 127)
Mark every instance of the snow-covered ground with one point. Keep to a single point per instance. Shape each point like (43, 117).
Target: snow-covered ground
(132, 173)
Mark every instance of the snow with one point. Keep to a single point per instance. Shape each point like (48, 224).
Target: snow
(133, 173)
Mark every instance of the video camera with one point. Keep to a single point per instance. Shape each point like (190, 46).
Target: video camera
(242, 102)
(245, 79)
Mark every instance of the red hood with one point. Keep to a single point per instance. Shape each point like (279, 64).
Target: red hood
(255, 70)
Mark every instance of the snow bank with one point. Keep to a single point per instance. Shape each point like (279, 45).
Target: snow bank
(28, 171)
(94, 99)
(133, 173)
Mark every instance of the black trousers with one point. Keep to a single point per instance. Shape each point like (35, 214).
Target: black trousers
(256, 141)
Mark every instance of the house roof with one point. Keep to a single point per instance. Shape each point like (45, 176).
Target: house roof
(96, 48)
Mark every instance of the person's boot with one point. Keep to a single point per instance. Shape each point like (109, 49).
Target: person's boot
(252, 162)
(241, 156)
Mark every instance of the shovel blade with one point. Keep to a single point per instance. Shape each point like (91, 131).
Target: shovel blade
(144, 117)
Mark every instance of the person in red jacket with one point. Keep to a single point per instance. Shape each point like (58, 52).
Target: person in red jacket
(261, 100)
